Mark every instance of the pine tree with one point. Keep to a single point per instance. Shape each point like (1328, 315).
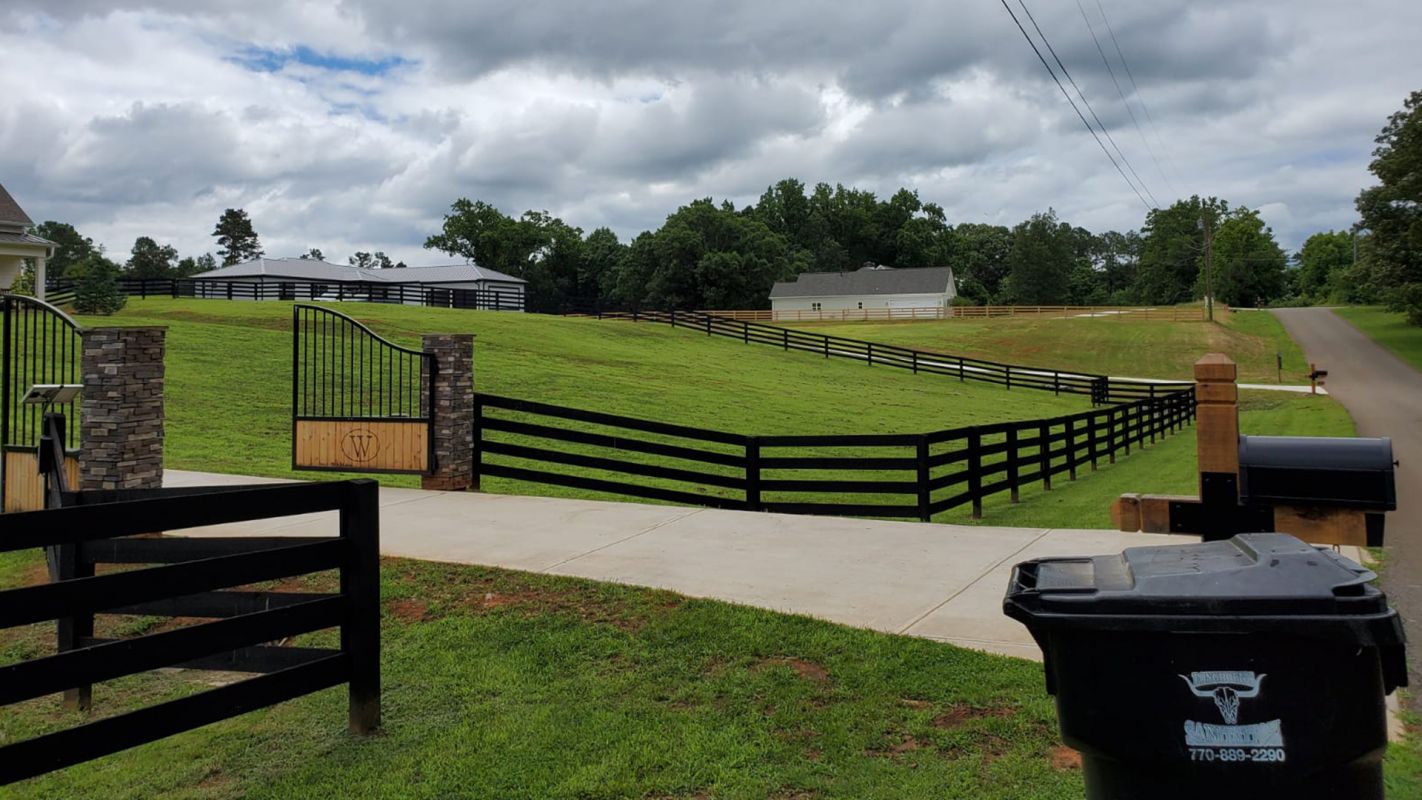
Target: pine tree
(236, 238)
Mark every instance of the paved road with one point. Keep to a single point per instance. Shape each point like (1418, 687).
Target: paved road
(1383, 393)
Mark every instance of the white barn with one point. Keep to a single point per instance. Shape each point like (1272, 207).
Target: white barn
(867, 288)
(452, 285)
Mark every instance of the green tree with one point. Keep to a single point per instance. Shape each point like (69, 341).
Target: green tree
(1172, 250)
(236, 238)
(148, 259)
(1040, 263)
(1392, 210)
(1249, 264)
(96, 289)
(70, 247)
(313, 254)
(1322, 256)
(979, 260)
(364, 260)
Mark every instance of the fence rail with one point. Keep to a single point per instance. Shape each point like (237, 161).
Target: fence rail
(1161, 313)
(193, 578)
(1100, 388)
(62, 291)
(874, 475)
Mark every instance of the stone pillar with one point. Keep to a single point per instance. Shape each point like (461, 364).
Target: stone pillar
(121, 408)
(453, 411)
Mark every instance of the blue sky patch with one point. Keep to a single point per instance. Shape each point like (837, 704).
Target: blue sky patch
(267, 59)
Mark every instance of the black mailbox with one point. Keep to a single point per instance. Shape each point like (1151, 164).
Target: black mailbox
(1317, 471)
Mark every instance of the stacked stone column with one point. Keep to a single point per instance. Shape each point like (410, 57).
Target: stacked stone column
(121, 408)
(453, 412)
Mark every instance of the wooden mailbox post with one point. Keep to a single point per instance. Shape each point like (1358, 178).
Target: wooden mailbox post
(1217, 512)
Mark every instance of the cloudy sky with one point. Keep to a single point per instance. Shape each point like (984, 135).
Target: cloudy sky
(352, 124)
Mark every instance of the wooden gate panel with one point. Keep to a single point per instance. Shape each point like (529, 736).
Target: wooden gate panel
(362, 445)
(24, 486)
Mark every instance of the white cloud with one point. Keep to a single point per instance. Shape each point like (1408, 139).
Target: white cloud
(354, 125)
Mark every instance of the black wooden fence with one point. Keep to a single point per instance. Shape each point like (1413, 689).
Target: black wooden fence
(874, 475)
(1100, 388)
(192, 580)
(62, 291)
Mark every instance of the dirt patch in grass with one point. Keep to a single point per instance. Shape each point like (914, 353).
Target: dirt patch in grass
(957, 716)
(808, 670)
(409, 610)
(1064, 759)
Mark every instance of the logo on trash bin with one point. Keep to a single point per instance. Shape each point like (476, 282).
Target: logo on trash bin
(1260, 741)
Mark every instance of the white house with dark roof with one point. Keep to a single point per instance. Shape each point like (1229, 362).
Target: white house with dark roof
(869, 287)
(305, 278)
(17, 244)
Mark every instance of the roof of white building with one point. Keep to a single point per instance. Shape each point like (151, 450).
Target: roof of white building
(869, 280)
(313, 270)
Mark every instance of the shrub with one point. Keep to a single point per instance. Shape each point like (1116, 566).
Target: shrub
(96, 289)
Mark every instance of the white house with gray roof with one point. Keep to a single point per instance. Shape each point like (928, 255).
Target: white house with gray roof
(869, 287)
(305, 278)
(17, 245)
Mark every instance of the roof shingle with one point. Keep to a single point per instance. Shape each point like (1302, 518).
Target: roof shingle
(10, 211)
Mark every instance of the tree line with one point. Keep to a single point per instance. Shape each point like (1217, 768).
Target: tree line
(715, 255)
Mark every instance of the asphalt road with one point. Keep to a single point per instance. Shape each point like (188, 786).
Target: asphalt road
(1383, 393)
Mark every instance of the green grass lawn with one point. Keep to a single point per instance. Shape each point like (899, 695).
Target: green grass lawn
(228, 395)
(1118, 346)
(506, 685)
(228, 391)
(1387, 328)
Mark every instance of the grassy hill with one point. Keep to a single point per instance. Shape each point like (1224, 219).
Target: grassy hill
(1387, 328)
(1118, 346)
(229, 392)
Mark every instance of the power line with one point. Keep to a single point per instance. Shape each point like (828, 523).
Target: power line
(1140, 98)
(1127, 103)
(1086, 102)
(1079, 115)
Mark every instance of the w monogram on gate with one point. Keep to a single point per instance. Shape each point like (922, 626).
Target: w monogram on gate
(360, 445)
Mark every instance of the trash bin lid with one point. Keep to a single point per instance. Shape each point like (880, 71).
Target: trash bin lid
(1249, 575)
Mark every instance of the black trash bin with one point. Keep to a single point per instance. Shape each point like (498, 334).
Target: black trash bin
(1253, 667)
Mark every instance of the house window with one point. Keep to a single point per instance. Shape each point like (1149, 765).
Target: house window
(861, 304)
(814, 306)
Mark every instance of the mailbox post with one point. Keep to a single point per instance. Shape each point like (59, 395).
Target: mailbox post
(1322, 490)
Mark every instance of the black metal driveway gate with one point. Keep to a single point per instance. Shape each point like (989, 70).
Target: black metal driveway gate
(39, 344)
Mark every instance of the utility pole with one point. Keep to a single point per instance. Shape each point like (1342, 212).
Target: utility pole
(1209, 269)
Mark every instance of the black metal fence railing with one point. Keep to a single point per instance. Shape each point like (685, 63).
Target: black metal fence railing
(39, 344)
(1100, 388)
(192, 577)
(62, 291)
(875, 475)
(343, 370)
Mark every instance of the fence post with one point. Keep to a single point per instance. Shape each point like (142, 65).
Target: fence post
(826, 342)
(1009, 377)
(1044, 453)
(1056, 382)
(753, 502)
(1111, 415)
(914, 354)
(360, 588)
(924, 513)
(708, 324)
(1070, 448)
(71, 631)
(975, 471)
(476, 461)
(1091, 441)
(869, 353)
(450, 406)
(1151, 424)
(785, 339)
(960, 369)
(1012, 471)
(745, 333)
